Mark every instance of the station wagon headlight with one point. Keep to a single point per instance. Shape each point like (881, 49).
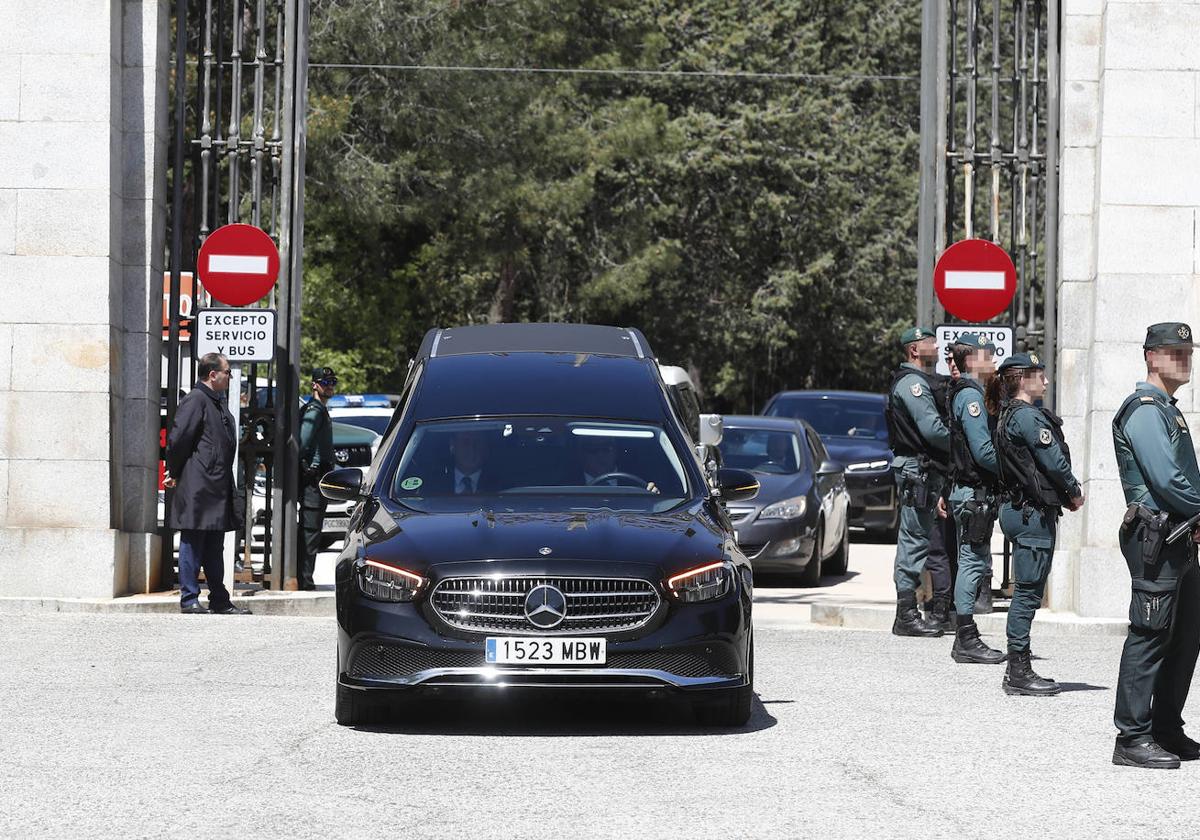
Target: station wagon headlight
(867, 466)
(386, 582)
(793, 508)
(705, 583)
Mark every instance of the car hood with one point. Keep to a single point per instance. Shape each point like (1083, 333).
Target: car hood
(772, 488)
(849, 450)
(468, 543)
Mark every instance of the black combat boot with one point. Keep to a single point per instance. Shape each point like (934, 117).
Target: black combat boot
(938, 613)
(1020, 678)
(1144, 753)
(968, 647)
(983, 599)
(908, 618)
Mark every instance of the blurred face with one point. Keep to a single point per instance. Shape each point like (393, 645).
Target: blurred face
(1034, 383)
(1172, 364)
(924, 352)
(982, 364)
(778, 448)
(470, 448)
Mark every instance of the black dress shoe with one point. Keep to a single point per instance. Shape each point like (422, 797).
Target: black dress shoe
(1180, 744)
(230, 609)
(1145, 753)
(193, 608)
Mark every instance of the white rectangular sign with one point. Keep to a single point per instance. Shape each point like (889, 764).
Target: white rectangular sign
(240, 335)
(239, 264)
(999, 334)
(978, 280)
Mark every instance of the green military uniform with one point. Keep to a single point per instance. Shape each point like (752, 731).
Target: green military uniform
(316, 459)
(920, 441)
(973, 504)
(1035, 470)
(1157, 464)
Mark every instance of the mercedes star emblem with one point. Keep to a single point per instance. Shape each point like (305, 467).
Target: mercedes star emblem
(545, 606)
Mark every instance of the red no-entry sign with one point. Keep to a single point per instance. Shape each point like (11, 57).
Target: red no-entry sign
(975, 280)
(238, 264)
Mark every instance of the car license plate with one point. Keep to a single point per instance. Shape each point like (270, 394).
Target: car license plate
(336, 523)
(533, 651)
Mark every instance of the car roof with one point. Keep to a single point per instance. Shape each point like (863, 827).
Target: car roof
(589, 339)
(359, 411)
(866, 396)
(758, 421)
(565, 384)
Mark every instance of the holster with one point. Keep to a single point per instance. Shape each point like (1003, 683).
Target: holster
(979, 518)
(1149, 528)
(914, 490)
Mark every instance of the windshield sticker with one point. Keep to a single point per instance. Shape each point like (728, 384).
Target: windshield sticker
(411, 483)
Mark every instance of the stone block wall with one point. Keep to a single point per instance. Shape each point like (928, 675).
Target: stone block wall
(82, 208)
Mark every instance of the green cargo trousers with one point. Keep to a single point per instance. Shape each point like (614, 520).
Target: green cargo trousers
(916, 521)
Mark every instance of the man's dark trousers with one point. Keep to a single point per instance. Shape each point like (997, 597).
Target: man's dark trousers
(202, 549)
(942, 563)
(1163, 642)
(312, 520)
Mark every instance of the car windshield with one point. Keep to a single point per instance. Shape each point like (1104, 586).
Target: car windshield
(761, 450)
(539, 463)
(833, 417)
(377, 423)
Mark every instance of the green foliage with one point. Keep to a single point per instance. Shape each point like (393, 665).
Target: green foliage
(760, 231)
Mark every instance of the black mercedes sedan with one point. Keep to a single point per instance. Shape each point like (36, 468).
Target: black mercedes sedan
(853, 429)
(797, 524)
(536, 519)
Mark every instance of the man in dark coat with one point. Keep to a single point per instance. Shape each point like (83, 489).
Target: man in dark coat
(200, 453)
(316, 459)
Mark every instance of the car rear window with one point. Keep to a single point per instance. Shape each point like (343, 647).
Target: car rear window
(835, 417)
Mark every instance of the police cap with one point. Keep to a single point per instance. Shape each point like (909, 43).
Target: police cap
(1168, 335)
(974, 341)
(1023, 360)
(915, 334)
(324, 375)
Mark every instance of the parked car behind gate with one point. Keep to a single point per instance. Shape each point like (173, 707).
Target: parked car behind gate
(852, 427)
(797, 524)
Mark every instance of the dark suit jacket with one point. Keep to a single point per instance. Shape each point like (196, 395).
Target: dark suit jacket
(200, 450)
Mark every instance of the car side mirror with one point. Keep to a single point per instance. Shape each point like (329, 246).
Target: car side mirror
(344, 485)
(736, 485)
(830, 467)
(712, 429)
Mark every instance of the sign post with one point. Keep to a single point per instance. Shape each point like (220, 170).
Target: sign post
(975, 280)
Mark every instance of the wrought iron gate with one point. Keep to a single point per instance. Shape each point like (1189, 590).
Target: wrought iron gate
(238, 108)
(989, 150)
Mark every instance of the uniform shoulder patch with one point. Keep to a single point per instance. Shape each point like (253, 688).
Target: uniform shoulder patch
(1044, 437)
(974, 410)
(916, 389)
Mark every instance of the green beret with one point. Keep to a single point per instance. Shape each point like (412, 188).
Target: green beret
(915, 334)
(1168, 335)
(974, 341)
(1023, 360)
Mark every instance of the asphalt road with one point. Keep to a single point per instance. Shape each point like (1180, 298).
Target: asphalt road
(152, 726)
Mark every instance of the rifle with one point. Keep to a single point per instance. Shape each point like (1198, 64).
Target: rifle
(1186, 528)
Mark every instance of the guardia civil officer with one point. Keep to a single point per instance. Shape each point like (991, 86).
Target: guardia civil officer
(1157, 464)
(1036, 478)
(316, 459)
(920, 443)
(973, 474)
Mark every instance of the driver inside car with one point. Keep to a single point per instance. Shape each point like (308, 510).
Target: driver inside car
(598, 458)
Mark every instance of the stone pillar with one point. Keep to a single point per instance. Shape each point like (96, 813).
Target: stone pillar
(82, 189)
(1130, 194)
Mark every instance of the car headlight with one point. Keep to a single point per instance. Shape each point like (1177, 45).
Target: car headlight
(385, 582)
(866, 466)
(705, 583)
(792, 508)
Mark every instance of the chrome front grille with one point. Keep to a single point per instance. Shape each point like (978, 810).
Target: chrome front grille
(497, 604)
(738, 515)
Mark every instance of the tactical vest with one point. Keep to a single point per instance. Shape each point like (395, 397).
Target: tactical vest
(906, 438)
(963, 469)
(1133, 481)
(1021, 476)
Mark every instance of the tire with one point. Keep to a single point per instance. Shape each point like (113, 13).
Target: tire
(727, 707)
(811, 575)
(358, 708)
(839, 562)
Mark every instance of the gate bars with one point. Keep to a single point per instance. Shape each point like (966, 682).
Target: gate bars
(238, 156)
(989, 150)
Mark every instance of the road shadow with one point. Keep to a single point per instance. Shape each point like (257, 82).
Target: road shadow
(531, 714)
(873, 537)
(1076, 686)
(777, 580)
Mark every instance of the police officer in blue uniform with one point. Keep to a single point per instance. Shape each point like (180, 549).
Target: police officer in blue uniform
(920, 444)
(1157, 464)
(974, 477)
(1035, 474)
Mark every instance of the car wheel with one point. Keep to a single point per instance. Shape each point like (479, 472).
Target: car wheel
(357, 708)
(839, 563)
(811, 576)
(728, 706)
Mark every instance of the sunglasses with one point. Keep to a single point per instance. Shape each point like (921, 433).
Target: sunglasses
(326, 382)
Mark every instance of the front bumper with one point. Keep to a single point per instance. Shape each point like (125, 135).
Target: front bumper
(777, 544)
